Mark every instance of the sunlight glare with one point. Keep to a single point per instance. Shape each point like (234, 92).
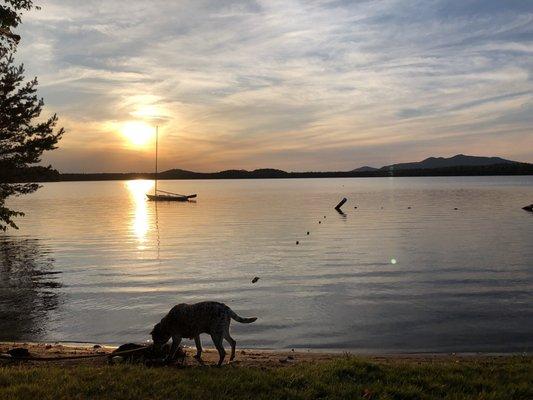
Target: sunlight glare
(138, 133)
(140, 222)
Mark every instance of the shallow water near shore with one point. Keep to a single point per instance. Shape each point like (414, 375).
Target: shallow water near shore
(421, 265)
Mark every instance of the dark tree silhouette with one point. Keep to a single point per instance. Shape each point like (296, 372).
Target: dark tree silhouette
(22, 139)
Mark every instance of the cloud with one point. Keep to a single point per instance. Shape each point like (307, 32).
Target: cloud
(302, 85)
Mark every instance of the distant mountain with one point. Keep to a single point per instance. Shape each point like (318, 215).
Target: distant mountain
(459, 165)
(366, 168)
(227, 174)
(460, 160)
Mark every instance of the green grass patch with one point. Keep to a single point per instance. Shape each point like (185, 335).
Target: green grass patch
(343, 378)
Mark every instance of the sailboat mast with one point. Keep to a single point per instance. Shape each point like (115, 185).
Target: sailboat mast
(156, 155)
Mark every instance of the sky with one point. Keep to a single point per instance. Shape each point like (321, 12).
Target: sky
(296, 85)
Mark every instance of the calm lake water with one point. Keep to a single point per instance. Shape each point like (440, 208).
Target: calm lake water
(95, 261)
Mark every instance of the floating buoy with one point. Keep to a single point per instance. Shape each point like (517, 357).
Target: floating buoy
(455, 208)
(408, 208)
(308, 232)
(255, 279)
(297, 242)
(319, 222)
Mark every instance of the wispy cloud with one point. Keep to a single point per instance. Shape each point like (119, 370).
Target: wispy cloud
(291, 84)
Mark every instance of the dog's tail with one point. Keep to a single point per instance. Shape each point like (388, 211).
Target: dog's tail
(241, 319)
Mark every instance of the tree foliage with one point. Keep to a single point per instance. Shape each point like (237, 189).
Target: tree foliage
(24, 136)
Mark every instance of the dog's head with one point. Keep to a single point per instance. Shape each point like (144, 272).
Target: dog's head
(159, 336)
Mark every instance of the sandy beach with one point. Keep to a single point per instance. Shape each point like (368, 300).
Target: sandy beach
(244, 357)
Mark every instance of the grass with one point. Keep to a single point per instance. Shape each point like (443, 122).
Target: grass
(343, 378)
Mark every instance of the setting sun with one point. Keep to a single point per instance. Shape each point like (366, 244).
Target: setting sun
(138, 133)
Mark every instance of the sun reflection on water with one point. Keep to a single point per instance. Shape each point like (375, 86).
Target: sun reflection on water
(140, 222)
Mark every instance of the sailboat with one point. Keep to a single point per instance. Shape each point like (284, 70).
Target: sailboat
(162, 195)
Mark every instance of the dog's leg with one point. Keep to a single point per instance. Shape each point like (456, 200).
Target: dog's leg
(176, 340)
(198, 355)
(231, 341)
(217, 340)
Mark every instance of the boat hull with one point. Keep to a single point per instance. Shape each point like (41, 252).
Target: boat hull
(164, 197)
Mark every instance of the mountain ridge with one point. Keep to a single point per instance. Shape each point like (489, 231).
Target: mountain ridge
(459, 160)
(452, 166)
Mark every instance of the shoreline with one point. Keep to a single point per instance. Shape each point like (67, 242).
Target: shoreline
(245, 357)
(266, 374)
(101, 177)
(512, 168)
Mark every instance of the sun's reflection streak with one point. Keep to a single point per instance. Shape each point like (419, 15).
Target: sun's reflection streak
(140, 222)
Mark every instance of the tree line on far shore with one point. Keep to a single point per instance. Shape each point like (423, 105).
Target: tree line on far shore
(46, 174)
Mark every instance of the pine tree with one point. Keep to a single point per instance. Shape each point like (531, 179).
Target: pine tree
(23, 138)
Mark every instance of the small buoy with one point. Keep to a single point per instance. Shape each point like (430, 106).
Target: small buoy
(355, 207)
(408, 208)
(455, 208)
(319, 222)
(255, 279)
(308, 232)
(297, 242)
(324, 217)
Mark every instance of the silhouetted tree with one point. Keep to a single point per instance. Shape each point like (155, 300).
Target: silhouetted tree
(22, 139)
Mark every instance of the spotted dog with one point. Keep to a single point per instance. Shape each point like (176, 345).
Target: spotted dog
(190, 320)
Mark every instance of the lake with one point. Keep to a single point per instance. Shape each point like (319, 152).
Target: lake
(421, 265)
